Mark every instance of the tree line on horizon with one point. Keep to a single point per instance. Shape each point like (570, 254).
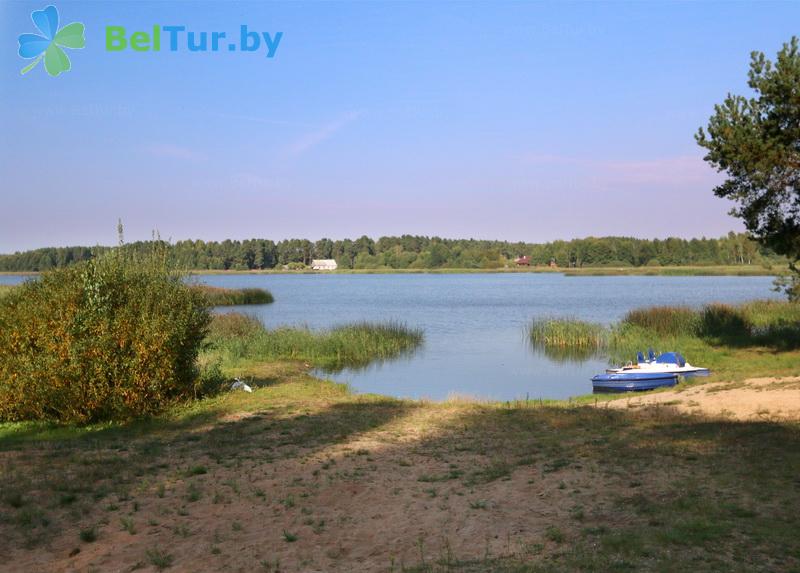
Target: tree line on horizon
(421, 252)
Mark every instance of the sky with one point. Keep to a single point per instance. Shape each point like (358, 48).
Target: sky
(516, 121)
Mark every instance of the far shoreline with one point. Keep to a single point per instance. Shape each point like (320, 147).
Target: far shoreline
(706, 270)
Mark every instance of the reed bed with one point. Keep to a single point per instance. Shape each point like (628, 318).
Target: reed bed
(235, 338)
(770, 323)
(219, 296)
(665, 320)
(567, 333)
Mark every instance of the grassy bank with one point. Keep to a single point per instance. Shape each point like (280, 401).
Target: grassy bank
(238, 342)
(302, 475)
(715, 270)
(218, 296)
(760, 338)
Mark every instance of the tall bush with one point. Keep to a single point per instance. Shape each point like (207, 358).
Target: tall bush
(110, 338)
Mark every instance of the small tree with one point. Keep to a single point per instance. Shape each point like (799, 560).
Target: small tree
(756, 142)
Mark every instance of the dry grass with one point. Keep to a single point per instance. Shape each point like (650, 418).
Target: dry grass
(301, 475)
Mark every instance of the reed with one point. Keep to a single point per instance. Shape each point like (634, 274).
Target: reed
(706, 334)
(567, 333)
(219, 296)
(235, 339)
(665, 320)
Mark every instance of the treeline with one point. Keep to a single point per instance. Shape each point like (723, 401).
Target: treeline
(419, 252)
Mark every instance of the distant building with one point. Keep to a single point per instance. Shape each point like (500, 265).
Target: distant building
(523, 261)
(324, 265)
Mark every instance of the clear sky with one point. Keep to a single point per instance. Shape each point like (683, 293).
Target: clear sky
(517, 121)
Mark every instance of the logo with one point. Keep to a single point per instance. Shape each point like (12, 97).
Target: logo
(48, 46)
(178, 38)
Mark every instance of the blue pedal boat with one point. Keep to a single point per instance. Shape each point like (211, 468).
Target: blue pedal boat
(633, 381)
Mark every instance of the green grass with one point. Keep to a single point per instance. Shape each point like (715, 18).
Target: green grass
(768, 323)
(567, 340)
(88, 535)
(159, 558)
(237, 341)
(219, 296)
(572, 333)
(679, 271)
(759, 338)
(665, 320)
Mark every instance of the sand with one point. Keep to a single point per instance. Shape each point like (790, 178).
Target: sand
(754, 399)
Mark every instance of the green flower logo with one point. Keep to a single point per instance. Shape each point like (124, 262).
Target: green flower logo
(49, 45)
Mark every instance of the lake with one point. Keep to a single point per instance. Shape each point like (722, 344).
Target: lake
(474, 324)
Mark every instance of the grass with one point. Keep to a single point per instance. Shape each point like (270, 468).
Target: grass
(219, 296)
(665, 320)
(238, 340)
(567, 340)
(159, 558)
(759, 338)
(88, 535)
(680, 271)
(562, 333)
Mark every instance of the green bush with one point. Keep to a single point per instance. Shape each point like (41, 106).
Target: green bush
(110, 338)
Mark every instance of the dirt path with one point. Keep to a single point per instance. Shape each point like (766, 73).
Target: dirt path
(753, 399)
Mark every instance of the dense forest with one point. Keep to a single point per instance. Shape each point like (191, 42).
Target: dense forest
(418, 252)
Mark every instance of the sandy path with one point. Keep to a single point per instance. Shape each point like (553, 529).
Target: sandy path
(753, 399)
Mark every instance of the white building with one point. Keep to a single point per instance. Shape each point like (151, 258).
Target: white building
(324, 265)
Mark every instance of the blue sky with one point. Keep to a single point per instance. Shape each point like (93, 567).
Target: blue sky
(518, 121)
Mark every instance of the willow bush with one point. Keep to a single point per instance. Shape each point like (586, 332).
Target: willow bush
(107, 339)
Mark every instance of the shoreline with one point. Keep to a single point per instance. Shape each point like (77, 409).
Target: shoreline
(709, 270)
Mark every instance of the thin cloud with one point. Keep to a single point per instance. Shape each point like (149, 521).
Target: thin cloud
(265, 120)
(681, 169)
(170, 151)
(314, 138)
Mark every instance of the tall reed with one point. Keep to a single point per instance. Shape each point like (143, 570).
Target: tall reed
(219, 296)
(566, 333)
(665, 320)
(235, 338)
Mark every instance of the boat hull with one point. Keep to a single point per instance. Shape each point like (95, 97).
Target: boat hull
(633, 381)
(686, 371)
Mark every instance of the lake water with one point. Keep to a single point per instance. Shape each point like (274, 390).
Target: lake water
(474, 324)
